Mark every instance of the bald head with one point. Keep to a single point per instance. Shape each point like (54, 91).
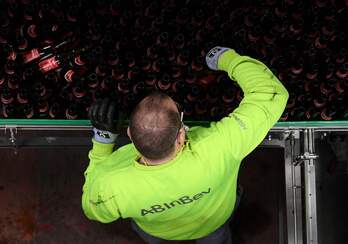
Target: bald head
(154, 126)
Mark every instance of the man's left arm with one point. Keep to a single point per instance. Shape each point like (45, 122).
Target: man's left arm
(98, 199)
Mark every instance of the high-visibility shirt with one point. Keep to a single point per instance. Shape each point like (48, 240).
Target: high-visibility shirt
(193, 194)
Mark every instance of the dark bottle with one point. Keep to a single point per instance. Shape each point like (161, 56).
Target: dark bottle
(78, 91)
(133, 72)
(329, 71)
(39, 90)
(97, 94)
(124, 86)
(179, 87)
(198, 18)
(320, 101)
(297, 66)
(52, 79)
(108, 83)
(239, 95)
(92, 80)
(183, 16)
(213, 23)
(162, 39)
(342, 71)
(28, 111)
(228, 95)
(213, 94)
(305, 98)
(130, 59)
(10, 67)
(54, 111)
(343, 114)
(53, 63)
(6, 96)
(71, 112)
(329, 28)
(153, 52)
(190, 78)
(139, 88)
(22, 44)
(201, 107)
(298, 113)
(179, 41)
(254, 34)
(29, 31)
(216, 112)
(159, 65)
(145, 64)
(329, 113)
(118, 72)
(102, 70)
(157, 23)
(206, 79)
(8, 110)
(340, 87)
(13, 82)
(22, 95)
(82, 59)
(183, 58)
(341, 56)
(42, 109)
(285, 116)
(188, 109)
(195, 93)
(321, 42)
(313, 113)
(165, 82)
(113, 58)
(150, 78)
(28, 74)
(38, 53)
(2, 78)
(68, 74)
(312, 71)
(175, 71)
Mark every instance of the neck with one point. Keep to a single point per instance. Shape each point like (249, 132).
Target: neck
(153, 162)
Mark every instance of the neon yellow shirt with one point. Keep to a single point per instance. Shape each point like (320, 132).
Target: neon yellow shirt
(193, 194)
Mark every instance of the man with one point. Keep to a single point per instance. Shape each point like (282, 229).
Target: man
(177, 184)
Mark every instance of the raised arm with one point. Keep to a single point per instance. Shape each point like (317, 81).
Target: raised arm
(264, 101)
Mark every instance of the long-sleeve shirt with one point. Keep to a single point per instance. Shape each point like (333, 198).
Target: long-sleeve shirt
(193, 194)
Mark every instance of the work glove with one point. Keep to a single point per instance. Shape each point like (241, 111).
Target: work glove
(213, 56)
(106, 120)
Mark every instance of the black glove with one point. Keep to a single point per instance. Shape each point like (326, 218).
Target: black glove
(106, 120)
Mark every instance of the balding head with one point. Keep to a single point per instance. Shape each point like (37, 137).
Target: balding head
(154, 126)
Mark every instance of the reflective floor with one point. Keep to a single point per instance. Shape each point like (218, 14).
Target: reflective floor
(40, 192)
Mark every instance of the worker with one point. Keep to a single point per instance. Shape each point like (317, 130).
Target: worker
(176, 183)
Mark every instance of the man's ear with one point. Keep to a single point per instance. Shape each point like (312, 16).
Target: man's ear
(128, 133)
(181, 136)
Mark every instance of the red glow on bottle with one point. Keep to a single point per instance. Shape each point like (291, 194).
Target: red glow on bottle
(49, 64)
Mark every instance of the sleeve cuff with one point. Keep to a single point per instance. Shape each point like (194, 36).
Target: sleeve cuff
(226, 58)
(102, 148)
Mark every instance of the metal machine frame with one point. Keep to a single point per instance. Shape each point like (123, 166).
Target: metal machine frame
(296, 138)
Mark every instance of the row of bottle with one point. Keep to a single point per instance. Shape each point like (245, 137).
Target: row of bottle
(84, 48)
(199, 110)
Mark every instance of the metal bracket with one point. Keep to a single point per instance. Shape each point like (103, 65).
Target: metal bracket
(12, 137)
(291, 134)
(306, 156)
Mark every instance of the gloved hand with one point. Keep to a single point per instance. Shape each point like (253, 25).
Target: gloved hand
(106, 120)
(214, 55)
